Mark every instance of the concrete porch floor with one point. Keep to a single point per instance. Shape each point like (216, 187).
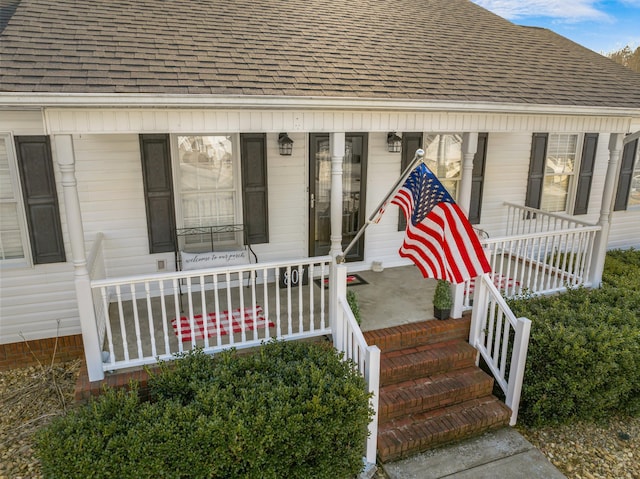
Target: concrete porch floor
(393, 297)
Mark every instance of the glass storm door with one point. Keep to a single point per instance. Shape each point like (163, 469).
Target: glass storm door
(353, 194)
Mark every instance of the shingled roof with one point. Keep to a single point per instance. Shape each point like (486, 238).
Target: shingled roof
(429, 50)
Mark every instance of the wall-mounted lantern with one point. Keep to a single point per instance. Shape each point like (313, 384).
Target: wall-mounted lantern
(394, 142)
(285, 144)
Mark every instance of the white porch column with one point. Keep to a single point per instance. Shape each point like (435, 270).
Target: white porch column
(602, 236)
(469, 148)
(336, 146)
(92, 349)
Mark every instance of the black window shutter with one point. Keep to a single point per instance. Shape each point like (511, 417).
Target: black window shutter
(254, 187)
(477, 179)
(41, 199)
(158, 192)
(536, 170)
(626, 173)
(410, 143)
(583, 191)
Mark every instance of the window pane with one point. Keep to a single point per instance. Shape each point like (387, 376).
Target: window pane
(634, 194)
(554, 197)
(10, 235)
(443, 156)
(207, 185)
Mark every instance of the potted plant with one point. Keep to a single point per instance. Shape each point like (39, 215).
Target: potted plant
(442, 300)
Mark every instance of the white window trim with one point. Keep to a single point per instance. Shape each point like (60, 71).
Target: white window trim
(237, 180)
(457, 180)
(636, 167)
(27, 260)
(572, 188)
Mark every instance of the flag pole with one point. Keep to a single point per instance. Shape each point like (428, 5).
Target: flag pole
(418, 157)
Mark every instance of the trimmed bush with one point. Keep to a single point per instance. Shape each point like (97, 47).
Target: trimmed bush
(288, 410)
(584, 352)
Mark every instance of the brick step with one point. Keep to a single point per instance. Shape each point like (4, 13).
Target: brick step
(426, 360)
(420, 333)
(420, 432)
(424, 394)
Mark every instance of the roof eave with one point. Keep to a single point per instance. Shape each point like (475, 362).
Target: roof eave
(119, 100)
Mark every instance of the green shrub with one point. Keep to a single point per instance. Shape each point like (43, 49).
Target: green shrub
(352, 299)
(584, 352)
(288, 410)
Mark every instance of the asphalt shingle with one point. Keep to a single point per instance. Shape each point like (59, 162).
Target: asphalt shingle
(411, 49)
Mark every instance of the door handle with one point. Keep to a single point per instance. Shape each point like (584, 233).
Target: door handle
(312, 200)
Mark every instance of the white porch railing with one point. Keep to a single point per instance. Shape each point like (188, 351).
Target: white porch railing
(501, 339)
(97, 270)
(147, 318)
(349, 339)
(542, 253)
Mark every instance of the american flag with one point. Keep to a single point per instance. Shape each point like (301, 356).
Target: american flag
(439, 238)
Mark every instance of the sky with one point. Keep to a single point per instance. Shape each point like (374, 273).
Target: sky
(602, 26)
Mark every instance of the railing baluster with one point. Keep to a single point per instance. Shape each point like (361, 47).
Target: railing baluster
(289, 319)
(136, 319)
(205, 313)
(163, 305)
(192, 320)
(178, 313)
(216, 299)
(277, 288)
(243, 329)
(312, 324)
(123, 329)
(152, 331)
(265, 294)
(254, 305)
(229, 309)
(300, 302)
(105, 305)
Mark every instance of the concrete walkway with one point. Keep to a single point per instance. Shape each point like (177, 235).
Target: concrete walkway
(503, 453)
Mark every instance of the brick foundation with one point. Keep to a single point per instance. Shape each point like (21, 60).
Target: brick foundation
(28, 353)
(86, 389)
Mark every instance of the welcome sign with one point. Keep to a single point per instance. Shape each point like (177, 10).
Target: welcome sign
(191, 261)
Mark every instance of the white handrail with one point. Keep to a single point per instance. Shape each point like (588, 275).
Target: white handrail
(494, 331)
(349, 339)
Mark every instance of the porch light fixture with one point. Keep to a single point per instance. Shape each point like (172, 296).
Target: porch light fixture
(394, 142)
(285, 144)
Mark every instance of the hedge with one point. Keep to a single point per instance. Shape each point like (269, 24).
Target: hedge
(288, 410)
(584, 351)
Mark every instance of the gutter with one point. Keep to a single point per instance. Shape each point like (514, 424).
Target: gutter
(24, 101)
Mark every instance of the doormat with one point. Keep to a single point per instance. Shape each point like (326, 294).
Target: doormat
(212, 323)
(352, 280)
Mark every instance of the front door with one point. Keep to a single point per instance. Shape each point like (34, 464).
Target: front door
(353, 193)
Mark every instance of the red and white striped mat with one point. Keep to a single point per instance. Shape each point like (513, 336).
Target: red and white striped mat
(502, 283)
(212, 323)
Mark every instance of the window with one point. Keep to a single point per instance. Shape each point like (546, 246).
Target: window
(206, 183)
(559, 172)
(210, 187)
(443, 156)
(555, 184)
(13, 238)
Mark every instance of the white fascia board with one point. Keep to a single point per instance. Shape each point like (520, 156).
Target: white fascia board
(89, 100)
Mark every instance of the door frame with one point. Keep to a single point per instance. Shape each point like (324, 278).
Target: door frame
(357, 253)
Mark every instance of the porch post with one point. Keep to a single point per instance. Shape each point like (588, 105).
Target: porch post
(65, 158)
(337, 148)
(602, 236)
(469, 148)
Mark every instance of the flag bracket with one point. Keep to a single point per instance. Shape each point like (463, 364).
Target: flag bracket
(417, 158)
